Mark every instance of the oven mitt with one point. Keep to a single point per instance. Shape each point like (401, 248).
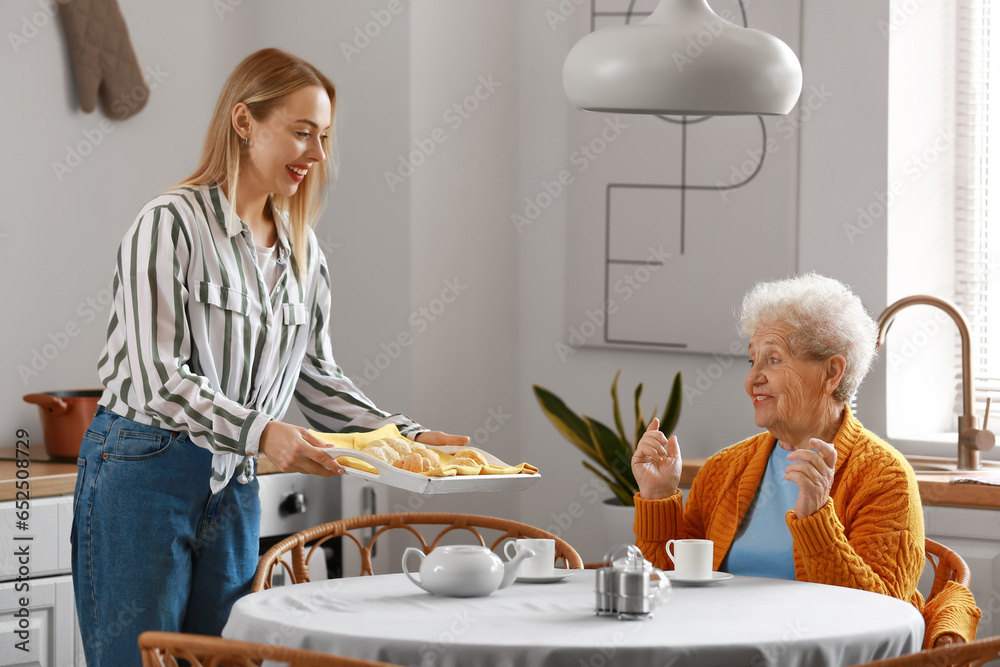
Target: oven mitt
(104, 62)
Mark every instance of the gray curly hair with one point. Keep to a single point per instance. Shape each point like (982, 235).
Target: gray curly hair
(825, 318)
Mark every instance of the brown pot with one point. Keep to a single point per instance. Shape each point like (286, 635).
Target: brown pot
(65, 417)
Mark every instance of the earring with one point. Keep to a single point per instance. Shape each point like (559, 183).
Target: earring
(246, 141)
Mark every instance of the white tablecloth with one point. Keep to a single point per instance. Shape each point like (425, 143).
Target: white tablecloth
(742, 621)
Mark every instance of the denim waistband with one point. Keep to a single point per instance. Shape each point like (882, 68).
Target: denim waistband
(104, 418)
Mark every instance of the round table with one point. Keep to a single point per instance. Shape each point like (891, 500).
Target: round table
(741, 621)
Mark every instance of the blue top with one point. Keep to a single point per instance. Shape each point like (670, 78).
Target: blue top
(763, 544)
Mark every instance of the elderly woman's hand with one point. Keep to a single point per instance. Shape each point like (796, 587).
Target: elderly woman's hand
(813, 473)
(656, 463)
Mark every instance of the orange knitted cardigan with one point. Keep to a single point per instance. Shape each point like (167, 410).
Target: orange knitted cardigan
(869, 535)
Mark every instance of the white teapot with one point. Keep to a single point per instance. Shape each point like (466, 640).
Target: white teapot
(464, 570)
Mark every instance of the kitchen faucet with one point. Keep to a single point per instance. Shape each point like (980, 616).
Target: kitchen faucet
(971, 439)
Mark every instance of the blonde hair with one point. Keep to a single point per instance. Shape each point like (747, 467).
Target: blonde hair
(262, 81)
(826, 318)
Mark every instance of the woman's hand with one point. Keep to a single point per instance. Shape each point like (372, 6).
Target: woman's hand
(441, 439)
(656, 463)
(295, 449)
(813, 473)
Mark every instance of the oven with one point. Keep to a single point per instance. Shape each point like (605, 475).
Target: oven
(290, 502)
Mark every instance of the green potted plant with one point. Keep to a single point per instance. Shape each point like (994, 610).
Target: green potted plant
(610, 451)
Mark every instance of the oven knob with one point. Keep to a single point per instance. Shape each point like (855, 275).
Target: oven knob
(293, 504)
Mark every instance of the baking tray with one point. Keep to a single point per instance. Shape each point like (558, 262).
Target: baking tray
(422, 484)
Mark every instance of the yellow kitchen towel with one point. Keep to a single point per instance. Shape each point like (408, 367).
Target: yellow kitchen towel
(489, 469)
(359, 441)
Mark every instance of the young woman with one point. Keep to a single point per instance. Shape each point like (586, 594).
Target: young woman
(221, 315)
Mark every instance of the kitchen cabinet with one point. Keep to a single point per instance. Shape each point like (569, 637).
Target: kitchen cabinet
(50, 617)
(360, 497)
(36, 589)
(49, 524)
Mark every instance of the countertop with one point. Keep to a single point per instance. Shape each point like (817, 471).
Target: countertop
(56, 478)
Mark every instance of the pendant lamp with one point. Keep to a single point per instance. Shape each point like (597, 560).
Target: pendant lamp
(684, 59)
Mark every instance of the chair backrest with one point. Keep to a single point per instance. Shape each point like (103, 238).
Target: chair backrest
(166, 649)
(975, 654)
(948, 566)
(296, 544)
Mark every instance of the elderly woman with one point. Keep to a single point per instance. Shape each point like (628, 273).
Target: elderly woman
(816, 497)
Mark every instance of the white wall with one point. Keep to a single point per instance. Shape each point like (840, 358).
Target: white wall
(464, 362)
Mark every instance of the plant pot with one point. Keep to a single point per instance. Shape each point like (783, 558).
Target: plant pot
(617, 521)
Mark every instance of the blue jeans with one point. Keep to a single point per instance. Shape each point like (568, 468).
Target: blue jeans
(153, 549)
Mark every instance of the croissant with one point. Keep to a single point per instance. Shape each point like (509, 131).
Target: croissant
(382, 451)
(403, 447)
(420, 460)
(469, 457)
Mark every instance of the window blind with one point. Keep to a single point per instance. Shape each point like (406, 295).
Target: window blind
(977, 198)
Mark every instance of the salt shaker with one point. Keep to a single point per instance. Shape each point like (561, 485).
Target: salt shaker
(630, 587)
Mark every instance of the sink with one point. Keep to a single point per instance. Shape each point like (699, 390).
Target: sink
(943, 465)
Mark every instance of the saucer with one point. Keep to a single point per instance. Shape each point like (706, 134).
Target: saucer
(716, 577)
(557, 575)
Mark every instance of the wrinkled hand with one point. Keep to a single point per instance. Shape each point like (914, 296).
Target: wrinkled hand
(656, 463)
(813, 473)
(442, 439)
(294, 449)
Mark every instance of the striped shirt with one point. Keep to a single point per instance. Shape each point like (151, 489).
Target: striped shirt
(198, 344)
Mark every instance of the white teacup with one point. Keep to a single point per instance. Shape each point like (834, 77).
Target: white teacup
(541, 564)
(692, 559)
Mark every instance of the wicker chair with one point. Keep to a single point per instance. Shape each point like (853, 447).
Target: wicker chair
(975, 654)
(165, 649)
(298, 572)
(948, 566)
(949, 650)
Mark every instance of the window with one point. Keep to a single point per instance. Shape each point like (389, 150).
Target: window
(977, 198)
(943, 226)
